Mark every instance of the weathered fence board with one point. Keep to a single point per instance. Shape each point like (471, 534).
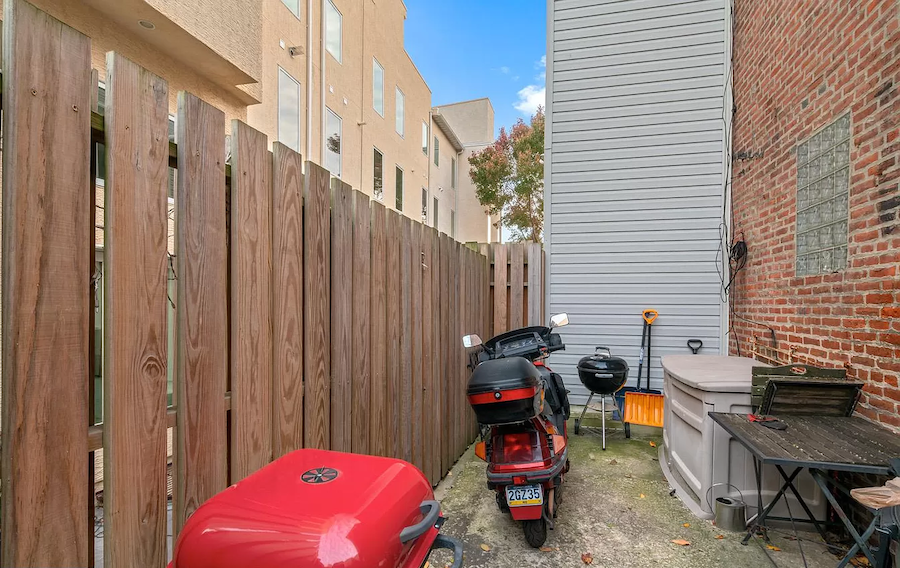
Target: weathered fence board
(378, 433)
(317, 306)
(134, 330)
(287, 290)
(535, 284)
(417, 275)
(362, 371)
(516, 285)
(446, 374)
(251, 302)
(405, 353)
(456, 362)
(342, 361)
(46, 126)
(437, 361)
(429, 380)
(392, 309)
(201, 327)
(501, 316)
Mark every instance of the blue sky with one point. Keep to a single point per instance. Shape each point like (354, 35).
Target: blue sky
(468, 49)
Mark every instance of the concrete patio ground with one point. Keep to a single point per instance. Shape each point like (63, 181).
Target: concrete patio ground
(616, 507)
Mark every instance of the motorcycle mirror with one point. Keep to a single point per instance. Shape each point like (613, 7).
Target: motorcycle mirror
(559, 320)
(471, 341)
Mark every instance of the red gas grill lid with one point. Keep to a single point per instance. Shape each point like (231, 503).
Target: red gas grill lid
(312, 509)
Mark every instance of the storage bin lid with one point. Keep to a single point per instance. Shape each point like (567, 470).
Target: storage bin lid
(712, 373)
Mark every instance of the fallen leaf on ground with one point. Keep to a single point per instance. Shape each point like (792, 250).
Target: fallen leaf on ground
(686, 525)
(485, 547)
(652, 444)
(773, 547)
(613, 462)
(546, 549)
(860, 561)
(592, 456)
(642, 495)
(587, 558)
(720, 536)
(681, 542)
(628, 475)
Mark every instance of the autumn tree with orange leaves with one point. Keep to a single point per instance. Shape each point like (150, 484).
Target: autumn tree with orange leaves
(509, 178)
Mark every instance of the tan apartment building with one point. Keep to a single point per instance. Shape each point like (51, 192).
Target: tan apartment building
(328, 78)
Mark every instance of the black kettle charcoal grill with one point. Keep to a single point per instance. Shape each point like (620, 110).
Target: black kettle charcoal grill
(602, 374)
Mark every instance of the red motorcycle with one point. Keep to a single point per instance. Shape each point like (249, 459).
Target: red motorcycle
(522, 407)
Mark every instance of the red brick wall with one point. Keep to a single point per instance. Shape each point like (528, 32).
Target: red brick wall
(798, 65)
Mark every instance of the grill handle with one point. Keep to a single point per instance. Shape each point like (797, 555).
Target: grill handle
(604, 352)
(431, 510)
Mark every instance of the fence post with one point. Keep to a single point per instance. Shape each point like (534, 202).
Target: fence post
(47, 297)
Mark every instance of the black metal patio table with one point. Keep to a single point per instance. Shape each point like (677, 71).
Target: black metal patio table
(819, 444)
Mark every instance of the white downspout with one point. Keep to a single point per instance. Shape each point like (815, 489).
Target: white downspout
(309, 78)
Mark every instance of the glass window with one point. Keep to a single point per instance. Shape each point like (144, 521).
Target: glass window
(172, 171)
(334, 23)
(424, 138)
(453, 173)
(453, 223)
(333, 125)
(424, 206)
(399, 121)
(293, 6)
(823, 203)
(378, 87)
(437, 152)
(435, 214)
(398, 195)
(378, 176)
(288, 110)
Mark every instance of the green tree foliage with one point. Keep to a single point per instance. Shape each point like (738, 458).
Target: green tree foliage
(509, 178)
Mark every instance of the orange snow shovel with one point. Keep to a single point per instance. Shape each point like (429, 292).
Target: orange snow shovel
(645, 406)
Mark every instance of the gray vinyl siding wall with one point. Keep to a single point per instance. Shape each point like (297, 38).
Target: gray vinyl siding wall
(635, 175)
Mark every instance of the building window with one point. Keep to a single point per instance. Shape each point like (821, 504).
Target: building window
(288, 110)
(378, 176)
(377, 87)
(293, 6)
(424, 206)
(334, 23)
(437, 152)
(453, 223)
(401, 102)
(434, 214)
(453, 173)
(333, 128)
(425, 138)
(398, 195)
(823, 193)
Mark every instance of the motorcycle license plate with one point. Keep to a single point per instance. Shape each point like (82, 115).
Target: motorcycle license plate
(524, 495)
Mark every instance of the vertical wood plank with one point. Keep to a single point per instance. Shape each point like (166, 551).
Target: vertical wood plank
(535, 285)
(378, 409)
(342, 364)
(392, 309)
(201, 327)
(406, 353)
(437, 362)
(251, 301)
(430, 431)
(446, 357)
(134, 327)
(287, 296)
(317, 308)
(459, 366)
(516, 285)
(46, 293)
(501, 318)
(362, 285)
(92, 347)
(487, 301)
(417, 274)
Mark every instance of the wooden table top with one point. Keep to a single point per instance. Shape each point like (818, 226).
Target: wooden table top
(822, 442)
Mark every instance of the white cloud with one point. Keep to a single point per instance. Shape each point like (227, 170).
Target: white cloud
(542, 65)
(504, 70)
(530, 98)
(515, 78)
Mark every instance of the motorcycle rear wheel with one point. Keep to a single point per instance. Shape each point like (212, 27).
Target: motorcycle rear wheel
(535, 532)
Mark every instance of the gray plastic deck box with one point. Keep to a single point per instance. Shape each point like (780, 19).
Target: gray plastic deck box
(697, 454)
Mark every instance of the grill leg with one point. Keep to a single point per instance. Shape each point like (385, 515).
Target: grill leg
(603, 418)
(583, 410)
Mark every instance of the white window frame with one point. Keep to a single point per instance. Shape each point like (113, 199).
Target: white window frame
(437, 152)
(376, 66)
(425, 135)
(291, 10)
(375, 195)
(299, 110)
(340, 55)
(453, 173)
(400, 108)
(402, 179)
(341, 134)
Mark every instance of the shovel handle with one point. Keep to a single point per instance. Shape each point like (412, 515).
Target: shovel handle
(650, 315)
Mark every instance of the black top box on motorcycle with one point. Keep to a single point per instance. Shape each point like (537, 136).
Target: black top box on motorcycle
(504, 391)
(602, 373)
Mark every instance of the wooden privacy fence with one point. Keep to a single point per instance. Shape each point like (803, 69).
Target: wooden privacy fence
(306, 315)
(517, 285)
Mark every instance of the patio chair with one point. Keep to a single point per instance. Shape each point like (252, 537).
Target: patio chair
(884, 503)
